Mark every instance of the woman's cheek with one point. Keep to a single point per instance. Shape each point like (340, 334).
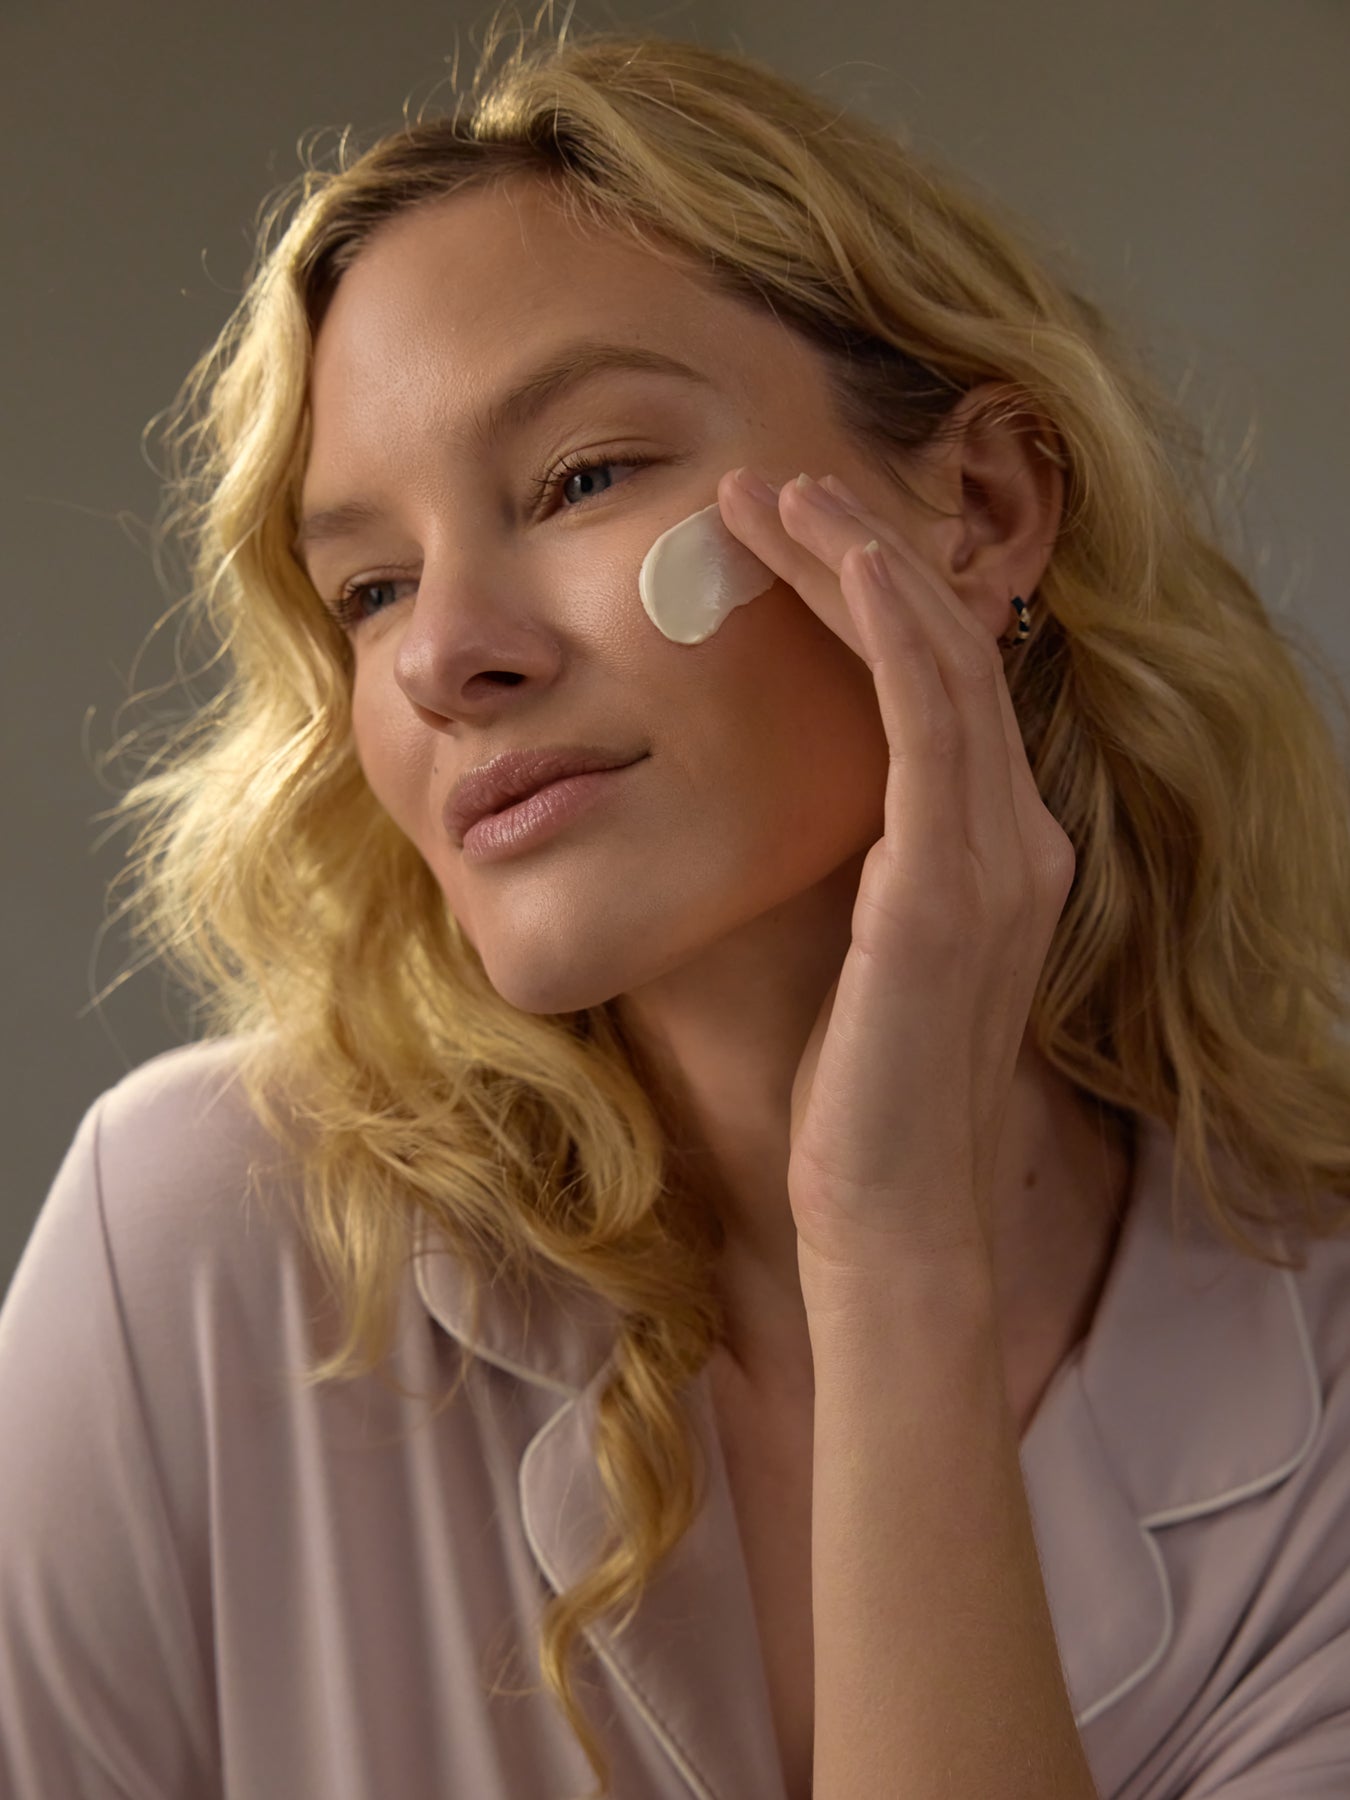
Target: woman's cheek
(398, 757)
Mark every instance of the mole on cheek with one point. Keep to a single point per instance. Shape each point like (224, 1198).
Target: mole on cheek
(696, 574)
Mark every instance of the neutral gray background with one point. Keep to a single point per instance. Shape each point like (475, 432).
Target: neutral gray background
(1192, 155)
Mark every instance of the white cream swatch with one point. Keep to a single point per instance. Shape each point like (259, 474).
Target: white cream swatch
(696, 574)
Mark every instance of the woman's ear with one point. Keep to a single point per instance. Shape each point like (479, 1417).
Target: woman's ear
(996, 474)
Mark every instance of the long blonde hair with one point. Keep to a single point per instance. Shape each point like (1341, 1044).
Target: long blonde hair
(1194, 975)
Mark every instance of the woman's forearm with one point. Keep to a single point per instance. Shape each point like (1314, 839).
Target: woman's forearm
(937, 1672)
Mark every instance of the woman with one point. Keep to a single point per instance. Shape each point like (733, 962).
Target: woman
(810, 1164)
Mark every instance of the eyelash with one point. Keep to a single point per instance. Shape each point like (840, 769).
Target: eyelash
(346, 608)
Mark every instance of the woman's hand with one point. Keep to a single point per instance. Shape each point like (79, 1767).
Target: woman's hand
(900, 1094)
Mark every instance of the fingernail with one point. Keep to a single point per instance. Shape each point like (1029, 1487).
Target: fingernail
(757, 489)
(849, 498)
(822, 497)
(876, 562)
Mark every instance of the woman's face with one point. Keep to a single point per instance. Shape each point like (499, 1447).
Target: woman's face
(501, 620)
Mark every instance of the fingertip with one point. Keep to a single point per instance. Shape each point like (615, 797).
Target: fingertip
(747, 484)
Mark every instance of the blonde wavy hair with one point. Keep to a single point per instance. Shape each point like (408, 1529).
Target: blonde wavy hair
(1195, 975)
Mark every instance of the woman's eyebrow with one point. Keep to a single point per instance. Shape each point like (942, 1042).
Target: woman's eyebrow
(564, 369)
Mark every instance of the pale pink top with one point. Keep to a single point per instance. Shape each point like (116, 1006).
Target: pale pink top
(216, 1583)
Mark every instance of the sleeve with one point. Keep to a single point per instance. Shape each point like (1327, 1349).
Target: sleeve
(103, 1694)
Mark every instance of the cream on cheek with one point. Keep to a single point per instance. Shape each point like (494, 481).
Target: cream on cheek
(696, 574)
(692, 579)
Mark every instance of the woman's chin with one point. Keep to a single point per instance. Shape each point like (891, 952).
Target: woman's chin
(551, 987)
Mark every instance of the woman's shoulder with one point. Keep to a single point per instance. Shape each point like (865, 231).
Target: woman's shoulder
(180, 1122)
(171, 1188)
(143, 1340)
(185, 1109)
(176, 1154)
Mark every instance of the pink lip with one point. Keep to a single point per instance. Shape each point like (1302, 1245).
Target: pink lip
(541, 815)
(514, 774)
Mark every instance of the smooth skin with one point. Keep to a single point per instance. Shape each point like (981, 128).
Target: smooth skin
(714, 899)
(899, 1097)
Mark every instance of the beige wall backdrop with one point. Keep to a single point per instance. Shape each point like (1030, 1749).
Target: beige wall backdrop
(1192, 157)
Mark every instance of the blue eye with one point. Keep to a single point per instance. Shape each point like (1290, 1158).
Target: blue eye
(347, 609)
(584, 465)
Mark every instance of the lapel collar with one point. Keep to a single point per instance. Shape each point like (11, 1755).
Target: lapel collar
(1194, 1389)
(690, 1660)
(557, 1339)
